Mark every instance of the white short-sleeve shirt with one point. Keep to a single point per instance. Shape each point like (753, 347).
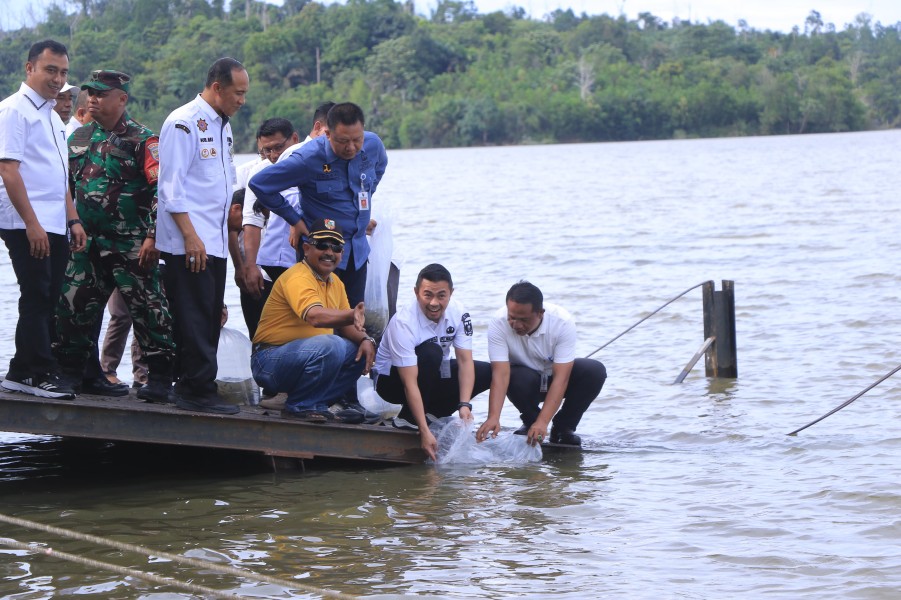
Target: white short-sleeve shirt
(32, 134)
(275, 249)
(409, 327)
(553, 342)
(197, 176)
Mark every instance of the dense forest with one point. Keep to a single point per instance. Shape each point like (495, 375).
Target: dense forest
(460, 78)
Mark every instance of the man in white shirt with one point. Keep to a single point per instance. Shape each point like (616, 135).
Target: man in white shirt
(64, 100)
(81, 116)
(35, 211)
(274, 136)
(413, 363)
(197, 175)
(532, 348)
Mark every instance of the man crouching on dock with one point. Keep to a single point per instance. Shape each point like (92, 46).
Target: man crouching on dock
(295, 349)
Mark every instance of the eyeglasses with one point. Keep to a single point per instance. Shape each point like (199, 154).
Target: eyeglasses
(264, 152)
(334, 247)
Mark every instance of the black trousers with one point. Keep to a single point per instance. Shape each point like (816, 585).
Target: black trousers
(354, 281)
(439, 396)
(195, 300)
(40, 283)
(585, 383)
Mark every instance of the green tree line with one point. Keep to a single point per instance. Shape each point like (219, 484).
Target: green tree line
(461, 78)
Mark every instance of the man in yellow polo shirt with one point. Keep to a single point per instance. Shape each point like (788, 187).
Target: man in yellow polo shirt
(295, 349)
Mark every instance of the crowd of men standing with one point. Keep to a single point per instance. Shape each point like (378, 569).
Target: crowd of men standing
(102, 207)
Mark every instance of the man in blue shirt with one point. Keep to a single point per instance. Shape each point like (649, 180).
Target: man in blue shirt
(337, 175)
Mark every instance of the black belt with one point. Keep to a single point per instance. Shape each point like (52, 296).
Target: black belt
(261, 346)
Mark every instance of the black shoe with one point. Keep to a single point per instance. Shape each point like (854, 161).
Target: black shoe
(565, 437)
(523, 430)
(156, 391)
(207, 404)
(310, 416)
(48, 385)
(101, 386)
(344, 407)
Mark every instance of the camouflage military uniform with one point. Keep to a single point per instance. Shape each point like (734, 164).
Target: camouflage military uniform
(114, 178)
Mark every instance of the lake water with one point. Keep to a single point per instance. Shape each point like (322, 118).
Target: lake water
(682, 491)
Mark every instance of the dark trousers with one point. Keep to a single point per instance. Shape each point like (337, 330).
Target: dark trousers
(40, 283)
(439, 396)
(354, 280)
(195, 300)
(253, 307)
(585, 383)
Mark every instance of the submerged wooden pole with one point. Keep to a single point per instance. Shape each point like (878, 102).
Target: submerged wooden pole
(721, 358)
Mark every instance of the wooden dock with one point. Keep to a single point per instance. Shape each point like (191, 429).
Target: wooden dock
(254, 429)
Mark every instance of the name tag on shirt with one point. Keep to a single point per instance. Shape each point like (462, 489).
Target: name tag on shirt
(364, 200)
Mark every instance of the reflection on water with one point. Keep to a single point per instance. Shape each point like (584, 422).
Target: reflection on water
(689, 490)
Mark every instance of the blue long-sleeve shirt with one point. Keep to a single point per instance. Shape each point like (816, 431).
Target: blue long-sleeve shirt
(329, 188)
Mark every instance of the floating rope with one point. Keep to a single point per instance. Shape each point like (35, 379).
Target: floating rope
(194, 562)
(151, 577)
(847, 402)
(645, 319)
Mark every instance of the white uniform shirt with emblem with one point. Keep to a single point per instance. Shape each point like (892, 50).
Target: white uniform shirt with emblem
(32, 134)
(197, 175)
(410, 327)
(553, 342)
(275, 249)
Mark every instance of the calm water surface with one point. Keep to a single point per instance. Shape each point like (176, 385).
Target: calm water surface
(682, 491)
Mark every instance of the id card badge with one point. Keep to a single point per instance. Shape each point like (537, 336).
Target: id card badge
(543, 383)
(445, 368)
(363, 196)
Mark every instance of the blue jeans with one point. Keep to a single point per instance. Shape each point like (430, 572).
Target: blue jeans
(314, 372)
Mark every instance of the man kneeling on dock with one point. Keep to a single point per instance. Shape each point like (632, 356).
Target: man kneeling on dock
(295, 349)
(532, 348)
(414, 365)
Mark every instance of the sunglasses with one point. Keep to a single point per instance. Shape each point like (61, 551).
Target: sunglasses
(333, 246)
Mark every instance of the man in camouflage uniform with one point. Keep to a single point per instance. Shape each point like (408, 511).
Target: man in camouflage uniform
(113, 165)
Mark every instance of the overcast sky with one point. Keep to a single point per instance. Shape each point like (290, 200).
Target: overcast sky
(780, 15)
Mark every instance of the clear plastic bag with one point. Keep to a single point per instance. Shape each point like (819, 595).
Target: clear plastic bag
(381, 247)
(371, 401)
(234, 377)
(457, 445)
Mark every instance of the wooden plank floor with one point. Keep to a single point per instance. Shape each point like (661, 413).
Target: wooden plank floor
(255, 428)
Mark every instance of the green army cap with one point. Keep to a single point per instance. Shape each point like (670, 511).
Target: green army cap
(104, 79)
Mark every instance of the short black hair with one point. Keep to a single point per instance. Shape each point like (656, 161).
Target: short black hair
(238, 196)
(435, 273)
(55, 48)
(321, 113)
(275, 125)
(523, 292)
(221, 72)
(346, 113)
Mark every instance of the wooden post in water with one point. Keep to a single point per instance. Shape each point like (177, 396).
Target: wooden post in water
(719, 322)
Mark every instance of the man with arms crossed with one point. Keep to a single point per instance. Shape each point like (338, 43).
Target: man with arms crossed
(532, 348)
(35, 210)
(413, 362)
(295, 349)
(197, 173)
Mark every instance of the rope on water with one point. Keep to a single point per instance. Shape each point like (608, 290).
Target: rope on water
(194, 562)
(847, 402)
(151, 577)
(645, 319)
